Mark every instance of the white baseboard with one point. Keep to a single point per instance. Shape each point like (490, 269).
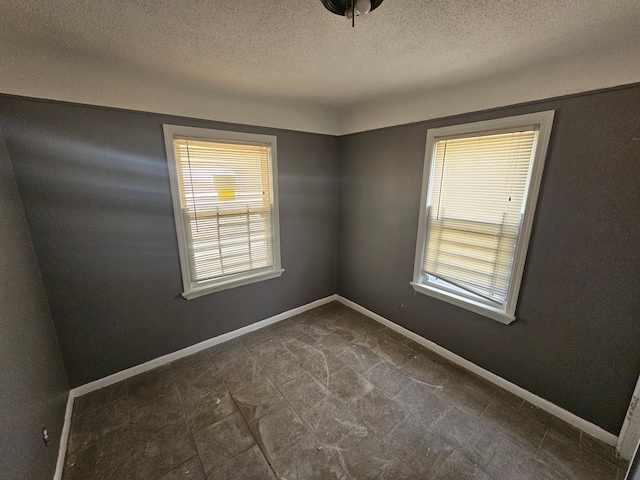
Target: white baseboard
(539, 402)
(163, 360)
(64, 437)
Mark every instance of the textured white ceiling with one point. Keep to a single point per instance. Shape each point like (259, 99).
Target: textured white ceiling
(297, 55)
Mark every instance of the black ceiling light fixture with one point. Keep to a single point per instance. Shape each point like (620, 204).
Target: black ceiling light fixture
(346, 8)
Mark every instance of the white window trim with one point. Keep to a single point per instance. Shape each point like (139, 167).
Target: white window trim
(193, 289)
(504, 315)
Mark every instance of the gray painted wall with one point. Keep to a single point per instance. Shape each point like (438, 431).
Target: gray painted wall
(33, 383)
(95, 188)
(576, 337)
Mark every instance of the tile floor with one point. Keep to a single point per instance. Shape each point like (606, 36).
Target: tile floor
(327, 394)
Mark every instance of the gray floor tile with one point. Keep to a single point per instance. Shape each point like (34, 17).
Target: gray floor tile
(189, 470)
(499, 393)
(395, 335)
(208, 408)
(510, 462)
(332, 309)
(351, 329)
(249, 465)
(379, 412)
(337, 340)
(157, 453)
(387, 378)
(332, 423)
(564, 456)
(266, 348)
(372, 335)
(303, 392)
(482, 446)
(277, 362)
(465, 395)
(458, 428)
(347, 385)
(256, 337)
(109, 457)
(303, 346)
(392, 351)
(602, 450)
(222, 441)
(305, 459)
(317, 327)
(459, 467)
(257, 397)
(81, 464)
(364, 456)
(99, 398)
(224, 355)
(157, 413)
(204, 395)
(453, 368)
(197, 381)
(422, 450)
(358, 357)
(149, 385)
(286, 330)
(521, 430)
(277, 430)
(321, 364)
(421, 401)
(242, 374)
(191, 362)
(550, 421)
(89, 427)
(426, 370)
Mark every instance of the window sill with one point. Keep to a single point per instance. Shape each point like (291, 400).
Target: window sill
(476, 307)
(236, 281)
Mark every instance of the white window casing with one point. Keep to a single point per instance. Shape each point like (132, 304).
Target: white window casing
(479, 192)
(225, 201)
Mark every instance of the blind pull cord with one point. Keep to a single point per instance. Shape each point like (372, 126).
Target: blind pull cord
(444, 159)
(193, 195)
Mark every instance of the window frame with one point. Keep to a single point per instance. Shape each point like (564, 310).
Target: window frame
(428, 285)
(193, 289)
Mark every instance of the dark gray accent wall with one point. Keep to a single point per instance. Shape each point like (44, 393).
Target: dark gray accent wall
(95, 188)
(577, 335)
(33, 384)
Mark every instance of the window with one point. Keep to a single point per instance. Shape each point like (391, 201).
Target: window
(479, 193)
(225, 205)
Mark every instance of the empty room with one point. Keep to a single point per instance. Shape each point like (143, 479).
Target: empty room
(319, 239)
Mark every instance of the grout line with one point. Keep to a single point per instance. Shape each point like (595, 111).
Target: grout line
(487, 407)
(546, 432)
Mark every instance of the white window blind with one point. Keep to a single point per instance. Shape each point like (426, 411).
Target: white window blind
(477, 195)
(225, 196)
(224, 187)
(479, 191)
